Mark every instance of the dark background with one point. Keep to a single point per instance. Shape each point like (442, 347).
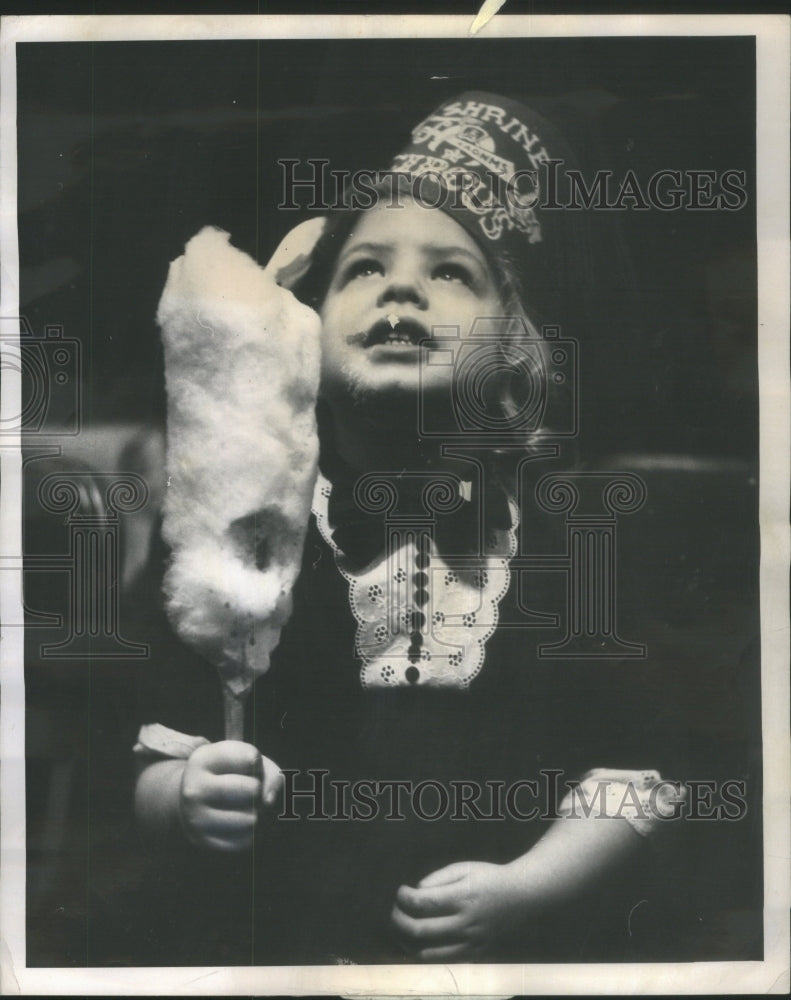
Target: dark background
(126, 150)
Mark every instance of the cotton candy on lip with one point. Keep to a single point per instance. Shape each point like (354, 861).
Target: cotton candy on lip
(242, 363)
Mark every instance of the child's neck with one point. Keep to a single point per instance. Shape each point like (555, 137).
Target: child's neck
(383, 439)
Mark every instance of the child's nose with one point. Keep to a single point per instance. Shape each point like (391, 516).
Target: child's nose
(403, 286)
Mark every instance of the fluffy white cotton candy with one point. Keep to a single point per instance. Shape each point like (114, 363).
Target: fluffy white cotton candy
(242, 369)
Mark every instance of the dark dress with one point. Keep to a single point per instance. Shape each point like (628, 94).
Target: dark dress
(320, 888)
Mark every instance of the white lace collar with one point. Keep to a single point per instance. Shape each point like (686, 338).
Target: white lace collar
(438, 644)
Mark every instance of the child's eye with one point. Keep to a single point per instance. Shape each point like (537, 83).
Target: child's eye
(452, 272)
(363, 268)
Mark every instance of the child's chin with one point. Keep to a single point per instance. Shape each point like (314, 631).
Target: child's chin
(401, 382)
(396, 382)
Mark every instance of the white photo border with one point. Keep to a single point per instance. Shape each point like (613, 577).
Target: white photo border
(773, 45)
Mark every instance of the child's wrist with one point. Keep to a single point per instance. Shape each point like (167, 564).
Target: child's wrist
(526, 881)
(157, 802)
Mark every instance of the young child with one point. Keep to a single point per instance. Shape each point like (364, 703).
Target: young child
(408, 805)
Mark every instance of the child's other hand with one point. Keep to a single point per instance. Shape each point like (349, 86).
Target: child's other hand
(222, 787)
(458, 912)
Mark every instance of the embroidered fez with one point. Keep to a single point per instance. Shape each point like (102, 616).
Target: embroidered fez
(498, 169)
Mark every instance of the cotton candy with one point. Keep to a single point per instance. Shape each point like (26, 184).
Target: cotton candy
(242, 365)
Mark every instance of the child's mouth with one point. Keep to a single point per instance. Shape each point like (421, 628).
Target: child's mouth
(396, 333)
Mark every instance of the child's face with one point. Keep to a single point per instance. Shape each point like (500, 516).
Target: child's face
(412, 265)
